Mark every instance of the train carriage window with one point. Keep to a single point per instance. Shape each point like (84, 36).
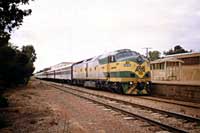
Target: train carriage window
(67, 72)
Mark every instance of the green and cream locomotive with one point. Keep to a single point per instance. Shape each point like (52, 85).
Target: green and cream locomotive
(122, 71)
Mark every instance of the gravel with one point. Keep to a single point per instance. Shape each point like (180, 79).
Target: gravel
(39, 108)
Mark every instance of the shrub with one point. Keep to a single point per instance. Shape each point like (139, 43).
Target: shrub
(3, 122)
(3, 102)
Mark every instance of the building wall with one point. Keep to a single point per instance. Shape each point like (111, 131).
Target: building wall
(157, 74)
(190, 72)
(190, 67)
(171, 73)
(184, 92)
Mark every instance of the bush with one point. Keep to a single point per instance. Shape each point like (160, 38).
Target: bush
(3, 102)
(3, 122)
(16, 66)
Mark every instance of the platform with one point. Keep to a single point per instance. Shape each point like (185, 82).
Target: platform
(191, 83)
(177, 90)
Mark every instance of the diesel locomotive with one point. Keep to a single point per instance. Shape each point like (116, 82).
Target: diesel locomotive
(122, 71)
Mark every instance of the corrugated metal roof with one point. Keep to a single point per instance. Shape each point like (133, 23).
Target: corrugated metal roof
(184, 55)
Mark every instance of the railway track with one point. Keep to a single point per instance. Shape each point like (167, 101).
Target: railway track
(171, 102)
(170, 121)
(176, 114)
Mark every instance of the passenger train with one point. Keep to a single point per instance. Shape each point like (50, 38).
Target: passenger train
(121, 71)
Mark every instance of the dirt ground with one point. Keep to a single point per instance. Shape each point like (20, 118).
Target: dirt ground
(28, 110)
(39, 108)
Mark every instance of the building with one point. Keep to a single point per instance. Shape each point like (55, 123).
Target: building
(166, 69)
(183, 67)
(191, 66)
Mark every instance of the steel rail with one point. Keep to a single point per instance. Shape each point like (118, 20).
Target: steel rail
(153, 122)
(170, 102)
(169, 113)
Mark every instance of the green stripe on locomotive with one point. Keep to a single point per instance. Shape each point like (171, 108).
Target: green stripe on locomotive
(123, 74)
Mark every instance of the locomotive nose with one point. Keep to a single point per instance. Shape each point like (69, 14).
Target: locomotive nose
(140, 85)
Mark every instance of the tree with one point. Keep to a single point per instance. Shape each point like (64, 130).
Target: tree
(30, 52)
(177, 49)
(11, 16)
(29, 68)
(154, 55)
(16, 66)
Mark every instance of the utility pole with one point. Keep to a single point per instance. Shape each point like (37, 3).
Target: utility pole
(147, 51)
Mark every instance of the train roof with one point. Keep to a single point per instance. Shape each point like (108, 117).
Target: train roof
(105, 55)
(56, 67)
(60, 66)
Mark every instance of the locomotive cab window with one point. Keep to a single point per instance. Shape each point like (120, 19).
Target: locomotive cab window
(112, 58)
(126, 54)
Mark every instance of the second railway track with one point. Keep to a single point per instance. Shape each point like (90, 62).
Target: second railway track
(170, 121)
(185, 104)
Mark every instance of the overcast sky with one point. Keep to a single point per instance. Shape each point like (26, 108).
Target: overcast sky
(72, 30)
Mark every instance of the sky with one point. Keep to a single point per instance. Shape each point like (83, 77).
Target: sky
(73, 30)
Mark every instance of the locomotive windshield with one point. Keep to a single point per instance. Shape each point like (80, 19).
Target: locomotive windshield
(129, 56)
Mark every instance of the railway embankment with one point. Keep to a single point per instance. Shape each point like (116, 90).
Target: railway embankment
(177, 90)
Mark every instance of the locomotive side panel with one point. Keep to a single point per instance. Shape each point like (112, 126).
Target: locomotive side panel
(103, 68)
(96, 71)
(79, 71)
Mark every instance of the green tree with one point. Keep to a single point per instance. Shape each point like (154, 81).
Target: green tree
(154, 55)
(11, 16)
(177, 50)
(30, 52)
(16, 66)
(29, 68)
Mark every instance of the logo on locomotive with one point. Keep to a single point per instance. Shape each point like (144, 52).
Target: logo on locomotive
(140, 69)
